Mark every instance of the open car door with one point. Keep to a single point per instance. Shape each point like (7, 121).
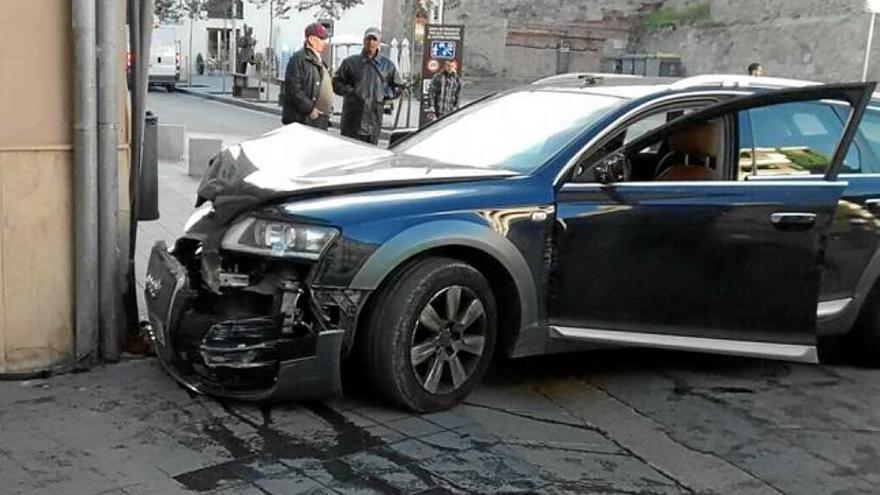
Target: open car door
(712, 264)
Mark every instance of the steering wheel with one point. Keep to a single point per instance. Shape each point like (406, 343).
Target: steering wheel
(662, 162)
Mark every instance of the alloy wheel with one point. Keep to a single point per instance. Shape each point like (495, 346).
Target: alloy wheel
(448, 340)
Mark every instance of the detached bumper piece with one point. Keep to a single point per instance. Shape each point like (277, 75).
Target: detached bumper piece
(253, 342)
(242, 344)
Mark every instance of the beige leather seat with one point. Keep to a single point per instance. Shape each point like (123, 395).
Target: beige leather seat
(696, 150)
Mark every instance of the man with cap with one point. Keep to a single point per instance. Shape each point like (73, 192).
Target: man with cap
(365, 81)
(308, 88)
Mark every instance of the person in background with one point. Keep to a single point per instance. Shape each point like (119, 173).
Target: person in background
(308, 88)
(366, 80)
(756, 70)
(445, 90)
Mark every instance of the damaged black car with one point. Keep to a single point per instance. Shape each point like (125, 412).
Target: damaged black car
(547, 219)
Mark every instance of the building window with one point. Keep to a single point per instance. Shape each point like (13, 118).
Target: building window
(225, 9)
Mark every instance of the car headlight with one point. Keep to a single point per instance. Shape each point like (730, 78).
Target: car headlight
(277, 238)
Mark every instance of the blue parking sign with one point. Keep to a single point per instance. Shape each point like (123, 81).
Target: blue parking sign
(443, 50)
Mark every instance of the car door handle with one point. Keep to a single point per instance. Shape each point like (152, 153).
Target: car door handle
(793, 221)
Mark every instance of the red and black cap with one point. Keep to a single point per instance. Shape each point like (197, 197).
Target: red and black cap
(316, 29)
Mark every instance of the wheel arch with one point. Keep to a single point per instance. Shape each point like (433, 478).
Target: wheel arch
(843, 322)
(494, 256)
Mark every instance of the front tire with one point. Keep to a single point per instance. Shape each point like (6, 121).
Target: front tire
(431, 334)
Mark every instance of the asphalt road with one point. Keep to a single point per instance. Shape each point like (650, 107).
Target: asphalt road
(204, 116)
(613, 421)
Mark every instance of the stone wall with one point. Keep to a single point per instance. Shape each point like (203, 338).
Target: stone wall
(806, 39)
(518, 39)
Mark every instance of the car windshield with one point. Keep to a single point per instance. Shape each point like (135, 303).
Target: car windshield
(517, 131)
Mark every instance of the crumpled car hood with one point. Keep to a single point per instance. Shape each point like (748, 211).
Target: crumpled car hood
(296, 158)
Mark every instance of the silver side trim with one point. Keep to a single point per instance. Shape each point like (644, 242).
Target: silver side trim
(712, 183)
(738, 80)
(830, 309)
(788, 352)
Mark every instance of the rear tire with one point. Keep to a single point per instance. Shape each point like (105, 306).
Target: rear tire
(863, 341)
(431, 334)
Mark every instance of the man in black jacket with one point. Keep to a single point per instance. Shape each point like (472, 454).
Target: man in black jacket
(366, 80)
(308, 90)
(445, 90)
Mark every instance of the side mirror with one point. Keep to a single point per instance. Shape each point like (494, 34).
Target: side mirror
(398, 135)
(612, 168)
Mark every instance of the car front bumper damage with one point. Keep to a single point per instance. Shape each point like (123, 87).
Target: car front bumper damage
(267, 334)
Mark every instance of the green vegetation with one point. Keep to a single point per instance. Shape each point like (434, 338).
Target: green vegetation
(806, 159)
(670, 17)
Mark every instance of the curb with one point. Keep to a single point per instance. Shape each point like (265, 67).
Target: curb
(228, 101)
(334, 122)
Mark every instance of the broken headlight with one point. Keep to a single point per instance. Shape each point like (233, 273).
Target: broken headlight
(277, 238)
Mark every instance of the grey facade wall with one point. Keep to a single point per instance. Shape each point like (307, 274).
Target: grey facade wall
(806, 39)
(517, 39)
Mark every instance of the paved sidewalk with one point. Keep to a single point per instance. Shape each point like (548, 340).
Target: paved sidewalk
(622, 422)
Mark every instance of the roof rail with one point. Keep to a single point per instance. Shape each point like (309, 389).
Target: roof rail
(586, 77)
(734, 80)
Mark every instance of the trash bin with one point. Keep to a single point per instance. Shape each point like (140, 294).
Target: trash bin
(148, 181)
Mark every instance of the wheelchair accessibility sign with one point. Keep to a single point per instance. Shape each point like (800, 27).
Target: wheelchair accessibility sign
(443, 50)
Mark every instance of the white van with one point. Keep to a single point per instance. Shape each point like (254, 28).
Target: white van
(164, 57)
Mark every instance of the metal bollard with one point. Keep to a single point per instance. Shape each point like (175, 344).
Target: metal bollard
(148, 183)
(280, 83)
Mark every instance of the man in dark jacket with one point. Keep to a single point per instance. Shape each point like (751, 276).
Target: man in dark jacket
(308, 88)
(445, 90)
(366, 80)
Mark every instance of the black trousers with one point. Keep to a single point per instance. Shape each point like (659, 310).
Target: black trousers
(322, 122)
(367, 138)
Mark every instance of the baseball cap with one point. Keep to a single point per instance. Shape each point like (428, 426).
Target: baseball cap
(316, 29)
(374, 32)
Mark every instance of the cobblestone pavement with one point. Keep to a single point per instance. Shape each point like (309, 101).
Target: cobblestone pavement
(623, 421)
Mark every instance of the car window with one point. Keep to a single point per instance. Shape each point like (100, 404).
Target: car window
(649, 123)
(653, 121)
(793, 139)
(645, 160)
(517, 131)
(868, 141)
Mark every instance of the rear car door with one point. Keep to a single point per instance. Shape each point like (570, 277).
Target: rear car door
(716, 264)
(855, 230)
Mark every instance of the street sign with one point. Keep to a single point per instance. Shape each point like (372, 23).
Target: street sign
(872, 6)
(443, 49)
(443, 44)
